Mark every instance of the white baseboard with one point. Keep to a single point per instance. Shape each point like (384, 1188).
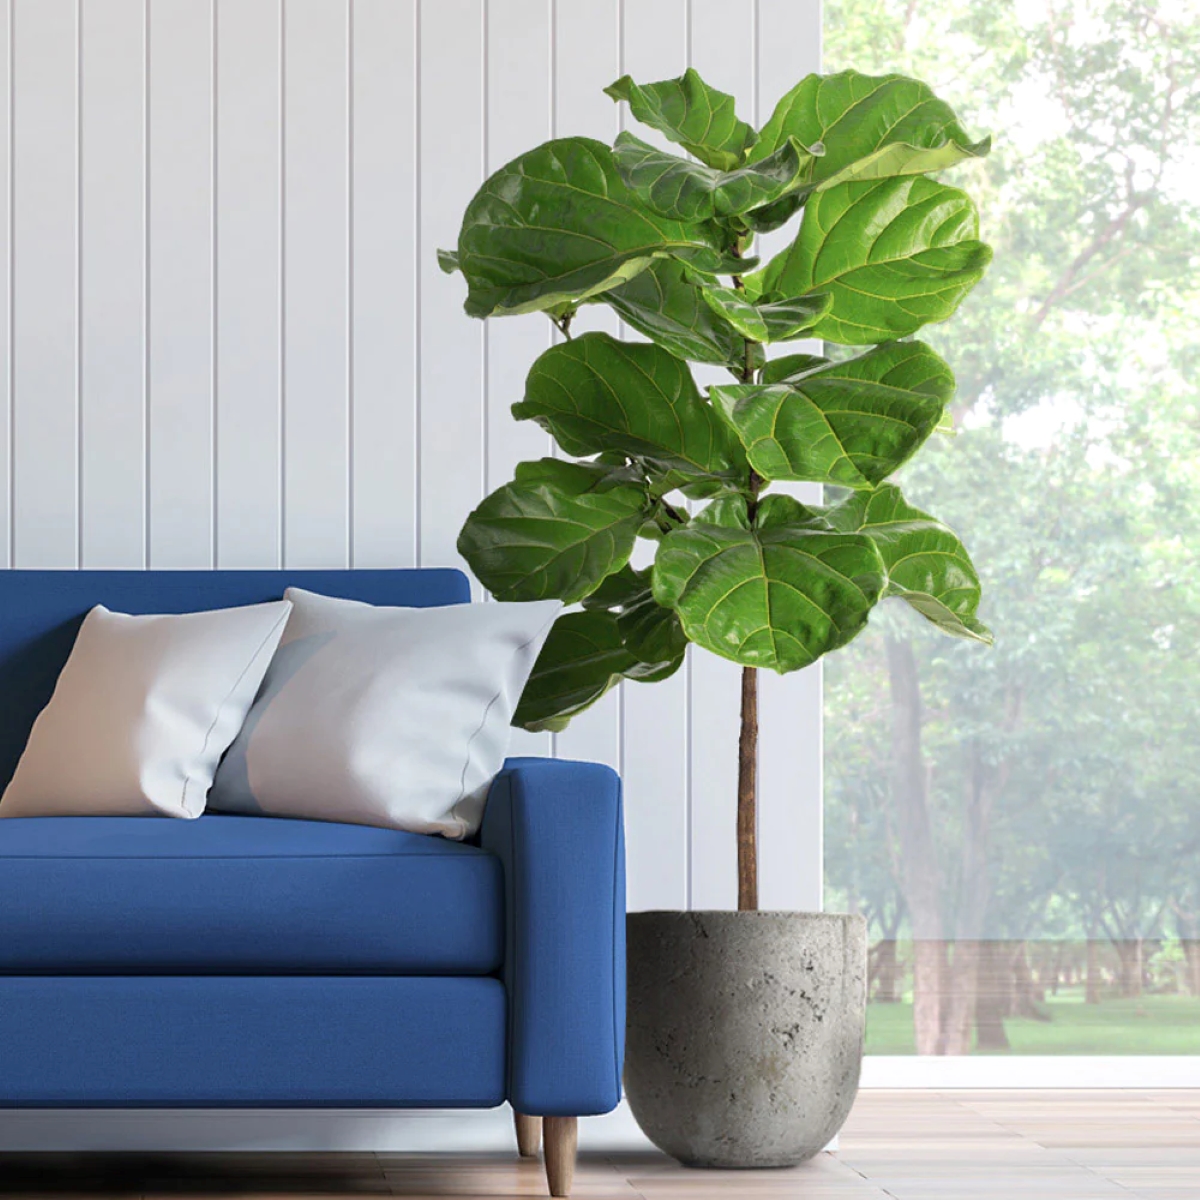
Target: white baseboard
(465, 1130)
(1031, 1071)
(307, 1130)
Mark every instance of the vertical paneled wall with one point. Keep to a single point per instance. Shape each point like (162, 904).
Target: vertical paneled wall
(225, 339)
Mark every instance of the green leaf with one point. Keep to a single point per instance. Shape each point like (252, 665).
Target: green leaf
(871, 127)
(650, 632)
(789, 319)
(595, 393)
(738, 311)
(692, 114)
(582, 658)
(558, 225)
(895, 254)
(777, 321)
(791, 366)
(448, 261)
(664, 304)
(777, 592)
(689, 191)
(850, 423)
(622, 633)
(556, 531)
(927, 565)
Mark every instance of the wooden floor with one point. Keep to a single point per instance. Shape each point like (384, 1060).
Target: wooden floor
(903, 1145)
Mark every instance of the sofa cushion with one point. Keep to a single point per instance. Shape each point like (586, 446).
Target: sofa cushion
(237, 1042)
(242, 895)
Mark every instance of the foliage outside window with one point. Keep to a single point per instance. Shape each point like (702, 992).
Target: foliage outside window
(1022, 825)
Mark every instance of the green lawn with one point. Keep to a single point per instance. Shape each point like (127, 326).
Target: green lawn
(1150, 1025)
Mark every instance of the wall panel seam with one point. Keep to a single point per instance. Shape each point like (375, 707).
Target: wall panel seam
(350, 342)
(214, 292)
(78, 284)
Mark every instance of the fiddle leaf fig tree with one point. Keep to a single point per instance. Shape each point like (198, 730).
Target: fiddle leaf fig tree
(880, 248)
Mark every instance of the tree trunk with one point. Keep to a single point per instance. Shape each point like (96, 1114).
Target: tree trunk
(1025, 990)
(747, 805)
(920, 879)
(1129, 952)
(886, 969)
(962, 998)
(1191, 953)
(1092, 986)
(992, 999)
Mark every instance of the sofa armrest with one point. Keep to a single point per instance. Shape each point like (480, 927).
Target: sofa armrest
(557, 828)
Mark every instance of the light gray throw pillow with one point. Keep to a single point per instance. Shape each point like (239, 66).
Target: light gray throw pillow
(142, 712)
(384, 716)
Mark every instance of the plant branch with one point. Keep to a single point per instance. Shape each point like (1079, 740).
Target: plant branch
(747, 801)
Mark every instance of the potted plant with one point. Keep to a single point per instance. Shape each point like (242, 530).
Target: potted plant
(745, 1029)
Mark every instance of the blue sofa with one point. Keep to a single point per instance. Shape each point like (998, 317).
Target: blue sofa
(238, 961)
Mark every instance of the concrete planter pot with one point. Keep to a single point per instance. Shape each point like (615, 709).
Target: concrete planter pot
(745, 1032)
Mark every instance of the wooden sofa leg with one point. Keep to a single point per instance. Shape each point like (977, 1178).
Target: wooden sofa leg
(529, 1134)
(562, 1140)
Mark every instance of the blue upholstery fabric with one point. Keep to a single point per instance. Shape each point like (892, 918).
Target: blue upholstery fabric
(242, 895)
(557, 827)
(269, 1042)
(41, 611)
(266, 962)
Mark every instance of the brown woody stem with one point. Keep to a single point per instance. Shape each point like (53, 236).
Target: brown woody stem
(747, 807)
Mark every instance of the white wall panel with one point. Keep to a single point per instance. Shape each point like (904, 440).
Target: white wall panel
(180, 299)
(519, 114)
(384, 299)
(6, 283)
(316, 286)
(112, 276)
(587, 58)
(249, 382)
(452, 376)
(789, 824)
(656, 719)
(231, 340)
(45, 316)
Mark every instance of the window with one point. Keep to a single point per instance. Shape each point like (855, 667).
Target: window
(1021, 825)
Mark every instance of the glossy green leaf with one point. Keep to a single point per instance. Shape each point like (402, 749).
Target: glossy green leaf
(895, 254)
(777, 321)
(927, 565)
(870, 127)
(791, 366)
(448, 261)
(692, 114)
(738, 311)
(777, 592)
(582, 658)
(850, 423)
(556, 531)
(690, 191)
(650, 632)
(595, 393)
(558, 225)
(789, 319)
(666, 306)
(623, 633)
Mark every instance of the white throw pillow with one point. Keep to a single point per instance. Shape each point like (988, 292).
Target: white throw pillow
(142, 712)
(384, 716)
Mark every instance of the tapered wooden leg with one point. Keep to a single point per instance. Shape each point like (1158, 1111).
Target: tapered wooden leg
(562, 1140)
(529, 1135)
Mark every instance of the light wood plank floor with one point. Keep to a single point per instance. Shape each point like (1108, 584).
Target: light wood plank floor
(974, 1145)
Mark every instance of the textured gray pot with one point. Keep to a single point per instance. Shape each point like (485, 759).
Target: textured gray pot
(745, 1032)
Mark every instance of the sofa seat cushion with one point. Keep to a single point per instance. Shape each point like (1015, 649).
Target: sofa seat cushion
(243, 895)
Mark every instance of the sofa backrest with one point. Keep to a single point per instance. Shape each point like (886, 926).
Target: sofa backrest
(41, 611)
